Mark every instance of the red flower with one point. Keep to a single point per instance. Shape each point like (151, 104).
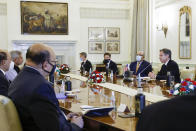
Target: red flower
(99, 81)
(194, 83)
(188, 79)
(184, 83)
(182, 89)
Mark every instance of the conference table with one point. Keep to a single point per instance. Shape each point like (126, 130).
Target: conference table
(99, 95)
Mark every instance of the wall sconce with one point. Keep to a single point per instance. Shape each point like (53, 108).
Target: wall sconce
(164, 28)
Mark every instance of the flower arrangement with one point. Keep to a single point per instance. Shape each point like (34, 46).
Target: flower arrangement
(186, 87)
(64, 69)
(96, 77)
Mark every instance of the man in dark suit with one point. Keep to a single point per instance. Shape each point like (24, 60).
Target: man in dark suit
(17, 60)
(86, 64)
(34, 96)
(110, 65)
(5, 61)
(177, 114)
(140, 65)
(168, 66)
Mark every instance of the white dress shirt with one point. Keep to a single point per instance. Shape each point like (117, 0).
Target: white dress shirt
(11, 73)
(167, 62)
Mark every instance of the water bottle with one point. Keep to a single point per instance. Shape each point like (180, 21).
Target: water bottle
(113, 101)
(168, 82)
(139, 99)
(62, 88)
(68, 84)
(111, 75)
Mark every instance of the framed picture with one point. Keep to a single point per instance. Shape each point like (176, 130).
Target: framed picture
(96, 47)
(113, 47)
(96, 33)
(112, 33)
(44, 18)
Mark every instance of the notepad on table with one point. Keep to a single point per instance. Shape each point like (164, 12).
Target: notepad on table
(97, 111)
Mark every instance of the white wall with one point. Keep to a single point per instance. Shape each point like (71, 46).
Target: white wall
(3, 26)
(125, 44)
(169, 14)
(78, 28)
(14, 23)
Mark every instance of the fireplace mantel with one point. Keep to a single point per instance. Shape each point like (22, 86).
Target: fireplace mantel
(48, 42)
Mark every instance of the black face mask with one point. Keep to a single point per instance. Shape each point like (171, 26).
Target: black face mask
(105, 61)
(52, 71)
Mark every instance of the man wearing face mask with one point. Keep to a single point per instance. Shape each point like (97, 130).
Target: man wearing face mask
(85, 64)
(14, 66)
(140, 65)
(5, 61)
(110, 65)
(168, 66)
(34, 96)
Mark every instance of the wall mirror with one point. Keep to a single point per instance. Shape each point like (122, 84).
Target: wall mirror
(185, 33)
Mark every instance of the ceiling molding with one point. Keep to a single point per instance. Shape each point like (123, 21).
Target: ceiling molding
(112, 4)
(104, 13)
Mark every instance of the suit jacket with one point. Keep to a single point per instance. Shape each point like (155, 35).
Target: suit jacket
(142, 66)
(16, 68)
(173, 68)
(86, 66)
(113, 67)
(37, 104)
(177, 114)
(4, 84)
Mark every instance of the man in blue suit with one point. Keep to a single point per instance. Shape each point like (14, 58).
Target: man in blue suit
(5, 61)
(34, 96)
(140, 65)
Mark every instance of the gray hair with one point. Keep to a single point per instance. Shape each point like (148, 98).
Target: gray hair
(15, 54)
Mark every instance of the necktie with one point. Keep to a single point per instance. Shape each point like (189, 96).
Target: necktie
(138, 65)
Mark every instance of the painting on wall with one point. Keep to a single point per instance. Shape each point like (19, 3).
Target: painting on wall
(44, 18)
(112, 33)
(113, 47)
(96, 47)
(96, 33)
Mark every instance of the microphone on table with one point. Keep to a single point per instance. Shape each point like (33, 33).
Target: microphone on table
(144, 69)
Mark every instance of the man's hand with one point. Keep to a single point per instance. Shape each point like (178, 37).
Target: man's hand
(152, 75)
(78, 121)
(71, 115)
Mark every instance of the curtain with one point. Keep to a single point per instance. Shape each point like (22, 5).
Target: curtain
(140, 34)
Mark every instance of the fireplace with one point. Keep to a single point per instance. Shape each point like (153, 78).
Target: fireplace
(65, 50)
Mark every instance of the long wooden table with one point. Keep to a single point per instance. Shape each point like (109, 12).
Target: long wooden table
(95, 95)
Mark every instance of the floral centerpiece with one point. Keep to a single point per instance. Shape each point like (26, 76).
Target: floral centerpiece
(96, 77)
(64, 69)
(186, 87)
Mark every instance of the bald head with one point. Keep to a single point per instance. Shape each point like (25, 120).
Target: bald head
(39, 53)
(41, 57)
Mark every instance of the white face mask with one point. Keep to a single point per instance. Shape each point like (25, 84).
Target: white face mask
(138, 58)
